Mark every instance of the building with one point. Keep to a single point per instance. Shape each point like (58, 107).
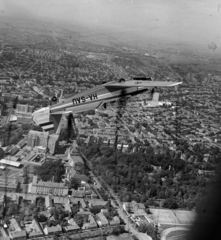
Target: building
(24, 113)
(133, 206)
(36, 138)
(96, 202)
(115, 221)
(15, 231)
(35, 230)
(30, 157)
(4, 234)
(14, 150)
(75, 161)
(52, 230)
(12, 185)
(12, 158)
(74, 228)
(20, 108)
(21, 235)
(48, 202)
(90, 223)
(45, 188)
(22, 143)
(10, 163)
(42, 139)
(53, 143)
(102, 220)
(206, 172)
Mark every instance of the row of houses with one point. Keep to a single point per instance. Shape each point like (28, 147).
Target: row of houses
(33, 230)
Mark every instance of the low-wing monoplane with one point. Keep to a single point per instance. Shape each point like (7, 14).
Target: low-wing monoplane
(49, 118)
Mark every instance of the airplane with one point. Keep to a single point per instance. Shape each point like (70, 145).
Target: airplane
(49, 118)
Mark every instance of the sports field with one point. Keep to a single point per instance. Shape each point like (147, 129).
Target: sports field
(177, 235)
(184, 217)
(173, 217)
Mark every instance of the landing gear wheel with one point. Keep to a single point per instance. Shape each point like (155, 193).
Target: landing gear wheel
(54, 99)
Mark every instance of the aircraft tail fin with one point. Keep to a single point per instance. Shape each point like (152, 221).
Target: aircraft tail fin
(60, 94)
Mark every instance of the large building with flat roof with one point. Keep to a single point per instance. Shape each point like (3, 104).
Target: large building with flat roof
(42, 139)
(12, 184)
(10, 163)
(46, 188)
(24, 113)
(36, 138)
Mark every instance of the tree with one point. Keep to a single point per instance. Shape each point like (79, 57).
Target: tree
(42, 218)
(149, 229)
(118, 230)
(142, 228)
(32, 206)
(12, 209)
(75, 209)
(79, 219)
(51, 170)
(74, 183)
(170, 203)
(40, 201)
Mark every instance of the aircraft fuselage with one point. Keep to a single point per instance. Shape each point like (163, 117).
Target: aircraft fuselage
(95, 97)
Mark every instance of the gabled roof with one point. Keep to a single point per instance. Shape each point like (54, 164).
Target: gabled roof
(53, 229)
(18, 234)
(72, 227)
(102, 218)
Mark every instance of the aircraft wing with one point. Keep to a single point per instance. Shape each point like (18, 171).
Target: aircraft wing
(61, 112)
(141, 83)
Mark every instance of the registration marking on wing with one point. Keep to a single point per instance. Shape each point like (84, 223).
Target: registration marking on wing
(83, 99)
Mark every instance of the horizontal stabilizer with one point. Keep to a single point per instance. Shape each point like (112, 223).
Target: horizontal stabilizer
(141, 83)
(61, 112)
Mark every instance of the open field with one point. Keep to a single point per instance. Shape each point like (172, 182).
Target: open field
(184, 217)
(173, 217)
